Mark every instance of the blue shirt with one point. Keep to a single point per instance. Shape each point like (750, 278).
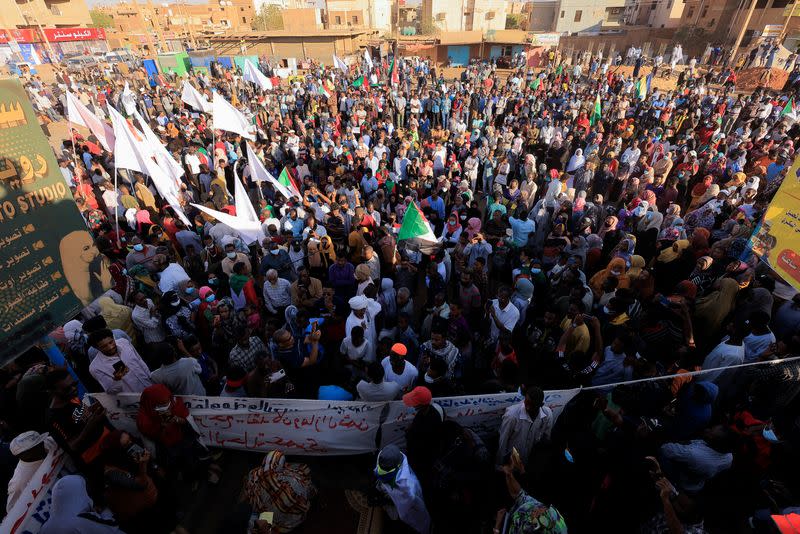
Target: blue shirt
(334, 393)
(437, 205)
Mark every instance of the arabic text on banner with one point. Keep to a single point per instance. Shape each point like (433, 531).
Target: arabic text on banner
(777, 238)
(309, 427)
(50, 267)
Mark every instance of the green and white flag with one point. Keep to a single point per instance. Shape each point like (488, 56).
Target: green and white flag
(415, 232)
(596, 112)
(358, 82)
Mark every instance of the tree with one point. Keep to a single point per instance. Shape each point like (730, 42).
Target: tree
(269, 17)
(428, 27)
(514, 21)
(101, 19)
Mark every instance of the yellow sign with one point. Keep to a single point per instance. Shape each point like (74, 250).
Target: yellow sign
(777, 239)
(792, 10)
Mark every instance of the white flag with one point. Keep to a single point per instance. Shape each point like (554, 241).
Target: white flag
(192, 96)
(79, 114)
(249, 230)
(165, 160)
(131, 152)
(244, 208)
(253, 75)
(339, 64)
(230, 119)
(259, 173)
(128, 100)
(368, 58)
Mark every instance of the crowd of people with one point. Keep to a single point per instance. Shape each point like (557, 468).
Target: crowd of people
(588, 235)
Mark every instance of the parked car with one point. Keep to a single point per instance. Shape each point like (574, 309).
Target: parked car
(79, 62)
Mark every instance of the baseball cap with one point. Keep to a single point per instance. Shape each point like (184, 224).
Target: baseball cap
(419, 396)
(26, 441)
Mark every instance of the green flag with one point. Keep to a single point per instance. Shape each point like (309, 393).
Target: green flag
(559, 70)
(788, 108)
(358, 82)
(286, 180)
(535, 83)
(597, 112)
(641, 89)
(416, 232)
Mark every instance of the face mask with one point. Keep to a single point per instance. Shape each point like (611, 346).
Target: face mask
(568, 456)
(211, 298)
(195, 303)
(212, 281)
(190, 290)
(606, 310)
(616, 273)
(535, 270)
(769, 435)
(429, 380)
(138, 247)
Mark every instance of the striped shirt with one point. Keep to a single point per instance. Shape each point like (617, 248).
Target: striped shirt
(278, 295)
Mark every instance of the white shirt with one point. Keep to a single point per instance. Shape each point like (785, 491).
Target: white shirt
(385, 391)
(193, 162)
(24, 472)
(171, 277)
(405, 379)
(508, 317)
(519, 431)
(150, 326)
(723, 355)
(135, 380)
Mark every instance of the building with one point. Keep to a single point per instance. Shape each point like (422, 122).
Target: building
(542, 15)
(283, 44)
(721, 21)
(359, 14)
(465, 15)
(655, 13)
(574, 16)
(302, 19)
(175, 25)
(35, 30)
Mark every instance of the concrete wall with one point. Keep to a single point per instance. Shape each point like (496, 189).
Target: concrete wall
(302, 20)
(543, 17)
(49, 14)
(579, 15)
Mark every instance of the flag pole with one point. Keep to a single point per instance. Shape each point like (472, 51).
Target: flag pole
(116, 213)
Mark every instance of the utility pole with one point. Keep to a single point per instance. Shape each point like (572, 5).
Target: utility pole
(157, 27)
(786, 24)
(741, 32)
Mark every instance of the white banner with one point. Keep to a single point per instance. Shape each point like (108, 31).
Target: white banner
(32, 509)
(480, 413)
(308, 427)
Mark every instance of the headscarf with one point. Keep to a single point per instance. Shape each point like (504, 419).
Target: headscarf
(711, 310)
(625, 249)
(117, 316)
(72, 510)
(605, 228)
(387, 298)
(280, 487)
(637, 264)
(711, 193)
(674, 252)
(149, 421)
(576, 161)
(363, 272)
(699, 242)
(523, 289)
(473, 227)
(616, 264)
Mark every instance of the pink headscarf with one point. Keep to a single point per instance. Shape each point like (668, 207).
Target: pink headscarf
(473, 227)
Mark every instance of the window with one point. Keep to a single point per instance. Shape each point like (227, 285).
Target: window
(711, 23)
(338, 19)
(244, 19)
(704, 13)
(562, 14)
(355, 19)
(690, 12)
(652, 7)
(578, 15)
(614, 15)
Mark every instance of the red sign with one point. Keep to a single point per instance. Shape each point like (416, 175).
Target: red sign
(20, 36)
(60, 35)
